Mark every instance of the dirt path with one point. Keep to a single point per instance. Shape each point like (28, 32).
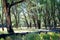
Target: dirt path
(19, 30)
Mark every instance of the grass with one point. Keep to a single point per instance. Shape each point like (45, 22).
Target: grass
(3, 32)
(34, 36)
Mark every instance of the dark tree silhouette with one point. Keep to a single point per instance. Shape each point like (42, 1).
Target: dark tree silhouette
(7, 7)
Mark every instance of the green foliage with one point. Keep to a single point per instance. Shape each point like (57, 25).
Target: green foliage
(54, 36)
(32, 37)
(1, 39)
(16, 37)
(41, 36)
(51, 36)
(46, 37)
(8, 38)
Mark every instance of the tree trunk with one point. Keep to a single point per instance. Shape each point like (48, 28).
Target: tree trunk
(45, 22)
(59, 15)
(2, 16)
(39, 24)
(8, 16)
(34, 21)
(26, 20)
(53, 13)
(14, 11)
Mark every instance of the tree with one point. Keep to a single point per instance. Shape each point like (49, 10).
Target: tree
(7, 7)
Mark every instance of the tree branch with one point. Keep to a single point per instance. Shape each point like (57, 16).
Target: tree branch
(12, 4)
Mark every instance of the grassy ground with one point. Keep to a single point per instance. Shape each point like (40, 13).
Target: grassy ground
(19, 30)
(32, 36)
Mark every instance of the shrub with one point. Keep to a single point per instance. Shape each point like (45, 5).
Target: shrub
(45, 36)
(8, 38)
(41, 36)
(1, 39)
(54, 36)
(14, 37)
(32, 37)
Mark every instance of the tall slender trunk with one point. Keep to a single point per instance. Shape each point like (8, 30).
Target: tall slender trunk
(2, 15)
(14, 10)
(39, 24)
(2, 21)
(26, 19)
(29, 20)
(16, 16)
(53, 13)
(8, 16)
(47, 15)
(59, 15)
(45, 22)
(34, 21)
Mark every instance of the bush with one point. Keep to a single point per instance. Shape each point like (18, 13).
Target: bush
(8, 38)
(41, 36)
(32, 37)
(45, 36)
(1, 39)
(16, 37)
(54, 36)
